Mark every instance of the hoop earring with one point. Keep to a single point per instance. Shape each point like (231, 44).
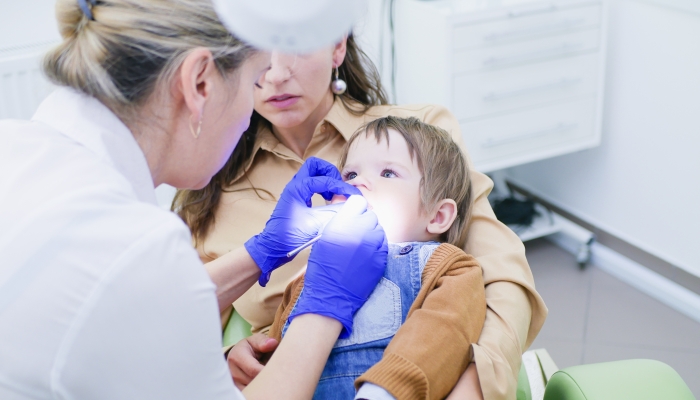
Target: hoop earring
(338, 86)
(199, 128)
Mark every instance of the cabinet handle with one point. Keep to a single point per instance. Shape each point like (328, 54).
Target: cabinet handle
(560, 26)
(564, 82)
(560, 127)
(560, 50)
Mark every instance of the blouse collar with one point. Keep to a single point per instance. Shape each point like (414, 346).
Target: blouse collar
(90, 123)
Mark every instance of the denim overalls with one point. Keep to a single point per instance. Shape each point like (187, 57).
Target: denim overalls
(376, 322)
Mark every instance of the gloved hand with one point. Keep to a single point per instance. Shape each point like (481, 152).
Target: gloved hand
(294, 222)
(345, 265)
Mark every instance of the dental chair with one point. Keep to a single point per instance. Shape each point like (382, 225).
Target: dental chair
(236, 330)
(617, 380)
(540, 379)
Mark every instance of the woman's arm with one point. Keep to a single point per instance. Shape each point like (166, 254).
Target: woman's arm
(468, 386)
(295, 368)
(233, 274)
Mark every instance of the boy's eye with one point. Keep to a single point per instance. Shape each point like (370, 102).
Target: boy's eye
(350, 176)
(387, 173)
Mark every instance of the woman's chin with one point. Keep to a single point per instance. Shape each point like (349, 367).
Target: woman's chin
(283, 118)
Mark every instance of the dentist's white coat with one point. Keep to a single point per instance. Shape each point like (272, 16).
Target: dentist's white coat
(101, 293)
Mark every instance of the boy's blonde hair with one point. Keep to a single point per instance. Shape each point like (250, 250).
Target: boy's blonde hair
(440, 160)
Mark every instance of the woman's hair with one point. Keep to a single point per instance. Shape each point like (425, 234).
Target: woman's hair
(130, 46)
(364, 90)
(440, 160)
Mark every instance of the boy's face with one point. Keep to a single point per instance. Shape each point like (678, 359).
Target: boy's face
(390, 181)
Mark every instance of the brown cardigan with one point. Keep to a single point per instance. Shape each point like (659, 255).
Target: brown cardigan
(432, 348)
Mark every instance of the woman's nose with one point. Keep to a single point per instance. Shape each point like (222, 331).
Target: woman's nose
(281, 67)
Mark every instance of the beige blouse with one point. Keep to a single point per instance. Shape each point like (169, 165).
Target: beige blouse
(515, 310)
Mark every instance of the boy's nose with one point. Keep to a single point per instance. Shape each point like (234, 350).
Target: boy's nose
(361, 183)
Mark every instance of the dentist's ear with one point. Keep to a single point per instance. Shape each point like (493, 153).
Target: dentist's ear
(443, 217)
(195, 82)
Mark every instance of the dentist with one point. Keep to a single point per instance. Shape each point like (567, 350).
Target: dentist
(101, 294)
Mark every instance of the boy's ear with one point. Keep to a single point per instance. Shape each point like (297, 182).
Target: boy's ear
(444, 216)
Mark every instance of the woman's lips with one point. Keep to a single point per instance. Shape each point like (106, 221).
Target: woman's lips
(283, 101)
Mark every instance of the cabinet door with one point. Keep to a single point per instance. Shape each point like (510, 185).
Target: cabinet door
(551, 21)
(528, 52)
(481, 94)
(528, 135)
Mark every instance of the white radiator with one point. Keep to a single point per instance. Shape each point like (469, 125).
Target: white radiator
(22, 84)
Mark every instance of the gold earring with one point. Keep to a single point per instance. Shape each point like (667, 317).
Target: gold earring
(199, 128)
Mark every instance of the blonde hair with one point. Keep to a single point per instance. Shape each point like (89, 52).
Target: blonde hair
(440, 160)
(130, 46)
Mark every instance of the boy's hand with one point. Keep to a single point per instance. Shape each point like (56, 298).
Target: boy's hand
(244, 358)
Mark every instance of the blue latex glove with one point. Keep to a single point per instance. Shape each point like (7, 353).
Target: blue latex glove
(345, 265)
(294, 222)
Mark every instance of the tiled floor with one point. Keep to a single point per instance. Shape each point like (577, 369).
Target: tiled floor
(593, 317)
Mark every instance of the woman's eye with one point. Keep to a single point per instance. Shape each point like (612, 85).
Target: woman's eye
(387, 173)
(350, 176)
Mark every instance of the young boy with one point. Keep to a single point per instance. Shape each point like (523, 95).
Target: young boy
(412, 338)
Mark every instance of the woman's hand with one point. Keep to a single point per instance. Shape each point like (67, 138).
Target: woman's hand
(468, 386)
(294, 222)
(345, 265)
(244, 358)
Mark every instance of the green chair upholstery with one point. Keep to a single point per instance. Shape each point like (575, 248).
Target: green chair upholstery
(618, 380)
(523, 391)
(236, 329)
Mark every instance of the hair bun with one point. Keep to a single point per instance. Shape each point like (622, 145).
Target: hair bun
(70, 18)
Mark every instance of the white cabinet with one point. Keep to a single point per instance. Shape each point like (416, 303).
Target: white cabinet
(524, 78)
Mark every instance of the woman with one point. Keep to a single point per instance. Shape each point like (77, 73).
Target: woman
(101, 293)
(298, 116)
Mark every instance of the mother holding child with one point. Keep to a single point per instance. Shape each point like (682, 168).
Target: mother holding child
(302, 111)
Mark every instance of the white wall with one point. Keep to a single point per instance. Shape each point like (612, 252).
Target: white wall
(373, 36)
(27, 22)
(643, 183)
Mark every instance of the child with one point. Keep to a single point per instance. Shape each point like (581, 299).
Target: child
(413, 336)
